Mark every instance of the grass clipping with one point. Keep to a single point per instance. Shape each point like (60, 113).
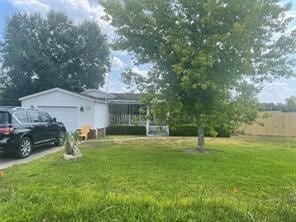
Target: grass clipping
(72, 152)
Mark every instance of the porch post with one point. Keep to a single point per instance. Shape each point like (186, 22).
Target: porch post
(147, 121)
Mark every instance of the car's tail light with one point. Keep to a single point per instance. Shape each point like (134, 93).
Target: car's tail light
(6, 131)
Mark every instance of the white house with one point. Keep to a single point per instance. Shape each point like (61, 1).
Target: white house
(92, 107)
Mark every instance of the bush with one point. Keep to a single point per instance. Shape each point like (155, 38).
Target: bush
(183, 130)
(191, 130)
(126, 130)
(223, 132)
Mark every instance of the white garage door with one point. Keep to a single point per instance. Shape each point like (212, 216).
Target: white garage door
(66, 115)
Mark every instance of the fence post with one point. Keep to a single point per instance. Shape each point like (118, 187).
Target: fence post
(129, 119)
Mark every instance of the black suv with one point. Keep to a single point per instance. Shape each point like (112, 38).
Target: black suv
(23, 129)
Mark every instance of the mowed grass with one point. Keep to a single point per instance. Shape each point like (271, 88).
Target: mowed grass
(239, 179)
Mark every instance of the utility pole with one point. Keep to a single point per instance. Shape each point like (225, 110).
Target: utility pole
(106, 93)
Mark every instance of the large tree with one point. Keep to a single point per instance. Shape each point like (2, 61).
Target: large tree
(290, 104)
(40, 53)
(204, 51)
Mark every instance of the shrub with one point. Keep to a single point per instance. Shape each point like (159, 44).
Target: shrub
(126, 130)
(223, 132)
(191, 130)
(183, 130)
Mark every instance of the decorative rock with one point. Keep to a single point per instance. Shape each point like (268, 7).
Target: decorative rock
(69, 157)
(76, 152)
(72, 151)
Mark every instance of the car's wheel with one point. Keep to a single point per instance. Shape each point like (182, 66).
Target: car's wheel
(25, 147)
(61, 139)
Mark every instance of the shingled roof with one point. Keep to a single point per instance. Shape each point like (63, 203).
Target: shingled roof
(97, 94)
(127, 96)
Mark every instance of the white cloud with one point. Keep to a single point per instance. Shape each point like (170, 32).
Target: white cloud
(120, 52)
(142, 72)
(291, 14)
(278, 91)
(114, 85)
(30, 5)
(117, 86)
(78, 10)
(117, 64)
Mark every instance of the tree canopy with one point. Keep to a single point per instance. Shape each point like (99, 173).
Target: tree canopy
(290, 104)
(40, 53)
(206, 53)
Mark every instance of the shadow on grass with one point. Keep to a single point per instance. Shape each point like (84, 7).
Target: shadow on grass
(195, 151)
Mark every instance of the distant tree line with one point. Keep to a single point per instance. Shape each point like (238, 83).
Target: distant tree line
(272, 106)
(288, 106)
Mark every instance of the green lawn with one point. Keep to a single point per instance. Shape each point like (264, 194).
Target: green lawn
(155, 180)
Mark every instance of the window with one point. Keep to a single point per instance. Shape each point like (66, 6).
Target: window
(35, 116)
(45, 117)
(4, 118)
(22, 116)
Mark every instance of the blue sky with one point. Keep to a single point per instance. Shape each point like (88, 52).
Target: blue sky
(79, 10)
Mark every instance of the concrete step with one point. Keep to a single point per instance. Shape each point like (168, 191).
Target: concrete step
(158, 131)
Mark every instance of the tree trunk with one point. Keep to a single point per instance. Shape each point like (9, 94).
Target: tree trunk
(201, 139)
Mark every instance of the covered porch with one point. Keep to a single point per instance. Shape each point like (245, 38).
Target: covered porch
(127, 109)
(127, 114)
(136, 115)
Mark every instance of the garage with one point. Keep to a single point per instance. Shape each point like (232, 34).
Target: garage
(67, 115)
(72, 109)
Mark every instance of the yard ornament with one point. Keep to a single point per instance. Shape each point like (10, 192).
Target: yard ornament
(71, 147)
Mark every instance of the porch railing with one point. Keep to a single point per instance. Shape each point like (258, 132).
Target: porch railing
(127, 119)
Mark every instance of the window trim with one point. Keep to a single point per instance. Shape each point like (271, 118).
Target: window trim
(46, 114)
(31, 116)
(18, 120)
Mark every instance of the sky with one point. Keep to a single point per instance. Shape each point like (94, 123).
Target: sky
(79, 10)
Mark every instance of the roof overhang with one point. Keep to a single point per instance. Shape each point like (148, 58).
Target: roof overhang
(117, 101)
(63, 91)
(97, 94)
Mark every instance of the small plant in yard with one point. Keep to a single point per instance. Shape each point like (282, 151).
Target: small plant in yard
(71, 146)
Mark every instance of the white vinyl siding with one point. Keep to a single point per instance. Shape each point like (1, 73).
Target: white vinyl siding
(74, 111)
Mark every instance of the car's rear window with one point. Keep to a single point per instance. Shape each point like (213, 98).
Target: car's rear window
(21, 116)
(4, 118)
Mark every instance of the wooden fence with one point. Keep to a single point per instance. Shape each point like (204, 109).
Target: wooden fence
(272, 124)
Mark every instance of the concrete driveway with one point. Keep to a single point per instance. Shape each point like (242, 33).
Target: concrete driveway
(9, 160)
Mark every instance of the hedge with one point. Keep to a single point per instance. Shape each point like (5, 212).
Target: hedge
(180, 130)
(191, 130)
(126, 130)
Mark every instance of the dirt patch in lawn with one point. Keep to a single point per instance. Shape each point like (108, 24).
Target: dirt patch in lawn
(194, 151)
